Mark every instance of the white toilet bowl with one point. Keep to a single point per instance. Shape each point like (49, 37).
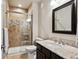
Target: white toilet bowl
(31, 50)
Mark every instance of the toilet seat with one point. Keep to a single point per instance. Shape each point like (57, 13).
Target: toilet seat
(31, 48)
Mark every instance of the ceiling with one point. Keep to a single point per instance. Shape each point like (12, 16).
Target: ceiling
(23, 3)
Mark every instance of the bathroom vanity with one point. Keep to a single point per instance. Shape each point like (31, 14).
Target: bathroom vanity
(44, 53)
(47, 49)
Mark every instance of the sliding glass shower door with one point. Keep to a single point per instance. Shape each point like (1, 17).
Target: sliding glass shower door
(20, 29)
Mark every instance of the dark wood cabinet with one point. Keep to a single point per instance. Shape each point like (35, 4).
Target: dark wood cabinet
(44, 53)
(55, 56)
(40, 55)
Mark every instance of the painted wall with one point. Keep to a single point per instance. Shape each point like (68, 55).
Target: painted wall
(5, 7)
(45, 23)
(35, 19)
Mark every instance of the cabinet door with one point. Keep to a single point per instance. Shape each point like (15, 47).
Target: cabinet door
(40, 55)
(55, 56)
(46, 52)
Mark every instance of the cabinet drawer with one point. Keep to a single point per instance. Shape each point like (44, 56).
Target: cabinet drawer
(46, 52)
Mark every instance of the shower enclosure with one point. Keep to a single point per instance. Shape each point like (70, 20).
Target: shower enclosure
(17, 25)
(19, 29)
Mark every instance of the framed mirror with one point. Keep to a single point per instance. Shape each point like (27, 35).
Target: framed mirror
(64, 18)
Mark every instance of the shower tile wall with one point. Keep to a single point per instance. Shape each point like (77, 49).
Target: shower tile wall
(14, 35)
(18, 29)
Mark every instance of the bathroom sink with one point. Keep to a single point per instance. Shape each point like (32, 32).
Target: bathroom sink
(66, 51)
(51, 44)
(48, 42)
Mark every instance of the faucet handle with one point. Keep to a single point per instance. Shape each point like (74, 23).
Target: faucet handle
(62, 41)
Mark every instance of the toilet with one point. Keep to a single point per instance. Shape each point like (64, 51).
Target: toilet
(31, 50)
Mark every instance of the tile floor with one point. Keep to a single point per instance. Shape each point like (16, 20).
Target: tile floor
(21, 56)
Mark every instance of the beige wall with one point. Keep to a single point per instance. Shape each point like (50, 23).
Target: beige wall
(5, 7)
(45, 22)
(30, 11)
(35, 19)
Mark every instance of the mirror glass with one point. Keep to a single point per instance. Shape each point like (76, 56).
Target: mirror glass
(63, 19)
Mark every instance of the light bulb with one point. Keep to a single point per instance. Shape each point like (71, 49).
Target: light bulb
(53, 3)
(20, 5)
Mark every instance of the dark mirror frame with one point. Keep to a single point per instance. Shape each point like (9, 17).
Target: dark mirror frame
(73, 18)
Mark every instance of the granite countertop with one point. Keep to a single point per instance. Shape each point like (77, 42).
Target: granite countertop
(65, 51)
